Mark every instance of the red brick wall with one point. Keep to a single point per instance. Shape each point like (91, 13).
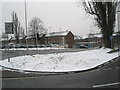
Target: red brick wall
(70, 39)
(53, 40)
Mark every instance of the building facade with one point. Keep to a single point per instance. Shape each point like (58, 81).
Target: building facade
(64, 39)
(91, 40)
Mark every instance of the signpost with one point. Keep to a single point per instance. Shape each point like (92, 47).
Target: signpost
(111, 40)
(8, 27)
(8, 30)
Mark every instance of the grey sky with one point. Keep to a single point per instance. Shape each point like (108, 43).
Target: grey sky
(64, 15)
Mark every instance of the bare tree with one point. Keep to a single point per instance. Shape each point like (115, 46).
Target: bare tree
(22, 33)
(36, 28)
(104, 13)
(16, 26)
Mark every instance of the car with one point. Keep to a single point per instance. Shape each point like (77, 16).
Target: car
(18, 45)
(11, 45)
(83, 46)
(50, 45)
(41, 45)
(24, 46)
(31, 46)
(4, 46)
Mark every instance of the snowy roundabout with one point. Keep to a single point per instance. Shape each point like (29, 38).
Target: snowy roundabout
(61, 62)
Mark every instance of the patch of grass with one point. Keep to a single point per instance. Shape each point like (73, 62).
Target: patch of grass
(114, 50)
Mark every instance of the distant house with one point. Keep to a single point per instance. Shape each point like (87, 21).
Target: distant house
(96, 40)
(24, 40)
(64, 38)
(4, 40)
(90, 40)
(39, 40)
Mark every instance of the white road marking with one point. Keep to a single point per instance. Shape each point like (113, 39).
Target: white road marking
(110, 84)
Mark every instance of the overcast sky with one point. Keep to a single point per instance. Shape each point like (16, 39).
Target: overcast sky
(64, 15)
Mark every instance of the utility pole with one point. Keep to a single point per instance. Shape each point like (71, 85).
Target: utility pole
(118, 20)
(118, 24)
(36, 37)
(8, 30)
(26, 23)
(50, 29)
(8, 47)
(60, 36)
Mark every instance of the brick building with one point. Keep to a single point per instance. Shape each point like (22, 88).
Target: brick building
(91, 40)
(64, 38)
(39, 40)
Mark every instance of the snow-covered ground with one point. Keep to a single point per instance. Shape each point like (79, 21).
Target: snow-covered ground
(61, 62)
(45, 48)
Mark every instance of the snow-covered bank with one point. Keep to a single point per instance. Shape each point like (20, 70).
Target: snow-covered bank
(61, 62)
(45, 48)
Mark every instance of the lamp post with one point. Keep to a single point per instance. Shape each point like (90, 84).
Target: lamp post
(26, 24)
(118, 20)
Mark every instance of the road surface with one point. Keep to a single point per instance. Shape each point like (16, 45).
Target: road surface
(15, 53)
(105, 77)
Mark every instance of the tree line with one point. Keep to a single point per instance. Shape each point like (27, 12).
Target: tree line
(103, 12)
(35, 30)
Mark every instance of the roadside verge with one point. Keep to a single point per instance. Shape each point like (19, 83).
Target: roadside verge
(11, 72)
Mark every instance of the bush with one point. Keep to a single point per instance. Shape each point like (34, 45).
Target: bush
(114, 50)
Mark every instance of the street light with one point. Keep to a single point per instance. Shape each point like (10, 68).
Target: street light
(118, 19)
(26, 24)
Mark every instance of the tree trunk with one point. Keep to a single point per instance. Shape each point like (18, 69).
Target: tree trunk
(107, 42)
(106, 38)
(17, 39)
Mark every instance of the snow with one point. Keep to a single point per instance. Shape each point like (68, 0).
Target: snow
(61, 62)
(77, 37)
(63, 33)
(92, 36)
(84, 37)
(98, 36)
(45, 48)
